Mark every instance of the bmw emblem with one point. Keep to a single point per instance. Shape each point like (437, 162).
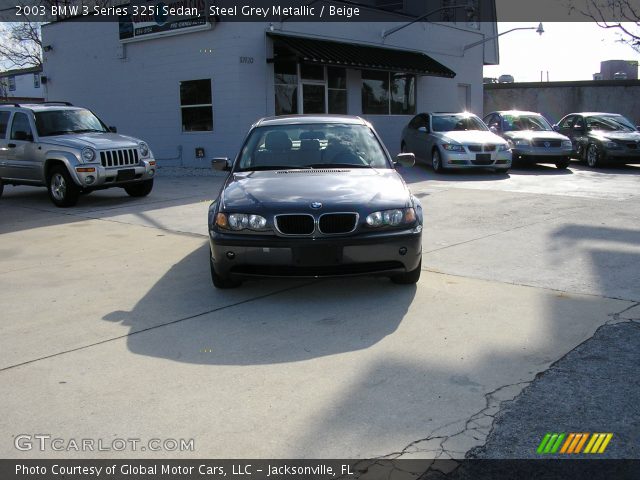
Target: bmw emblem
(316, 205)
(547, 144)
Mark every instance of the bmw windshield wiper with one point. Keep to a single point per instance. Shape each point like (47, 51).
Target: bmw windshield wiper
(274, 167)
(58, 132)
(339, 165)
(88, 130)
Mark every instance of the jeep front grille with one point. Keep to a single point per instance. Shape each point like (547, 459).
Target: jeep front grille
(119, 158)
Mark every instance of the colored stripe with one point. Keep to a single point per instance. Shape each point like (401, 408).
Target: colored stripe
(552, 440)
(574, 443)
(555, 447)
(605, 443)
(590, 444)
(596, 445)
(567, 443)
(543, 443)
(582, 441)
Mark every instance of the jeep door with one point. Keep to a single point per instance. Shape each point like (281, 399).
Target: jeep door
(22, 159)
(4, 123)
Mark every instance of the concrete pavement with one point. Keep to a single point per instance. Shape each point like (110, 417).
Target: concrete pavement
(111, 329)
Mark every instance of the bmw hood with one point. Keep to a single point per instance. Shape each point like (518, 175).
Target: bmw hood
(535, 135)
(617, 136)
(471, 136)
(295, 190)
(99, 141)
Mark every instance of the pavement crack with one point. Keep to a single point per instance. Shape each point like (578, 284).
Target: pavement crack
(154, 327)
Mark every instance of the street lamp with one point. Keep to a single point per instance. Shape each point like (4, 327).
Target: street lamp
(467, 6)
(539, 30)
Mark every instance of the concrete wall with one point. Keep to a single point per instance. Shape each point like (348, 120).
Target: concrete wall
(136, 86)
(556, 99)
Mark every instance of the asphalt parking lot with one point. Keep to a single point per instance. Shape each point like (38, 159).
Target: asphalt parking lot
(110, 327)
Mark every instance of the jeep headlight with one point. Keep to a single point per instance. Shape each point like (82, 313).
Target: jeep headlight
(88, 154)
(144, 149)
(391, 218)
(241, 221)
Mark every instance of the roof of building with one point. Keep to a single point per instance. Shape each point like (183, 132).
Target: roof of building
(20, 71)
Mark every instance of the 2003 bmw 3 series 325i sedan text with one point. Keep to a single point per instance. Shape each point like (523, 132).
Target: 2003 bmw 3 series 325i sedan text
(314, 196)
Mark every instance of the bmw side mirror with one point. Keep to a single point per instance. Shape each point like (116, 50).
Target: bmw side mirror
(405, 160)
(221, 164)
(423, 129)
(493, 129)
(556, 127)
(637, 127)
(113, 129)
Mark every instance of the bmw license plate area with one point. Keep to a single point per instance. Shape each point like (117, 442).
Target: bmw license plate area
(317, 255)
(483, 156)
(126, 174)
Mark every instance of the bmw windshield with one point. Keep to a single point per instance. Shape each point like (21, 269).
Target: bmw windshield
(316, 145)
(458, 121)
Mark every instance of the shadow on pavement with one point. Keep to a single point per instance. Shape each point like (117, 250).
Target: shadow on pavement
(306, 319)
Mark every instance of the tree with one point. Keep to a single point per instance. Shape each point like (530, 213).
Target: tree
(21, 45)
(620, 15)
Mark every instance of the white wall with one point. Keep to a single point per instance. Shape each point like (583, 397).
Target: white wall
(140, 94)
(24, 87)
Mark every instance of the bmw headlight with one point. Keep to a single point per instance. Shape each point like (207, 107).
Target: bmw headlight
(522, 142)
(611, 145)
(144, 149)
(241, 221)
(88, 154)
(451, 147)
(391, 218)
(503, 148)
(567, 144)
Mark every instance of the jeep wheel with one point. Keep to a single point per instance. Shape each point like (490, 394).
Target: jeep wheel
(62, 191)
(141, 189)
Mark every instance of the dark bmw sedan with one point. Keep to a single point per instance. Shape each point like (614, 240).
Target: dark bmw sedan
(314, 196)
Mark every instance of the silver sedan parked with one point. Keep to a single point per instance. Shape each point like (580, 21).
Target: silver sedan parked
(455, 141)
(531, 137)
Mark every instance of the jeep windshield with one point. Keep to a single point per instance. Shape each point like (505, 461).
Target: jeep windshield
(311, 146)
(64, 122)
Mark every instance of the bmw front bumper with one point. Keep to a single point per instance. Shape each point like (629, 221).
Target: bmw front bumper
(468, 159)
(371, 253)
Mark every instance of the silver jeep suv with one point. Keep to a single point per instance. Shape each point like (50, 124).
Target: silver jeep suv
(70, 151)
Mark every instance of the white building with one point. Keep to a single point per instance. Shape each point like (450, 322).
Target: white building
(203, 89)
(23, 84)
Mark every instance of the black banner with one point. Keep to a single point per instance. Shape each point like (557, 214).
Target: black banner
(159, 13)
(543, 469)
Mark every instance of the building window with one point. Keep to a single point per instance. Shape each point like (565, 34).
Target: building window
(196, 106)
(337, 90)
(36, 80)
(311, 89)
(12, 83)
(386, 93)
(286, 87)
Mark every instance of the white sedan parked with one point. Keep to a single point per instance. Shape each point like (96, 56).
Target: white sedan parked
(455, 141)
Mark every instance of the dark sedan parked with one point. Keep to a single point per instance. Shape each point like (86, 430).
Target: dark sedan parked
(599, 138)
(531, 137)
(314, 196)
